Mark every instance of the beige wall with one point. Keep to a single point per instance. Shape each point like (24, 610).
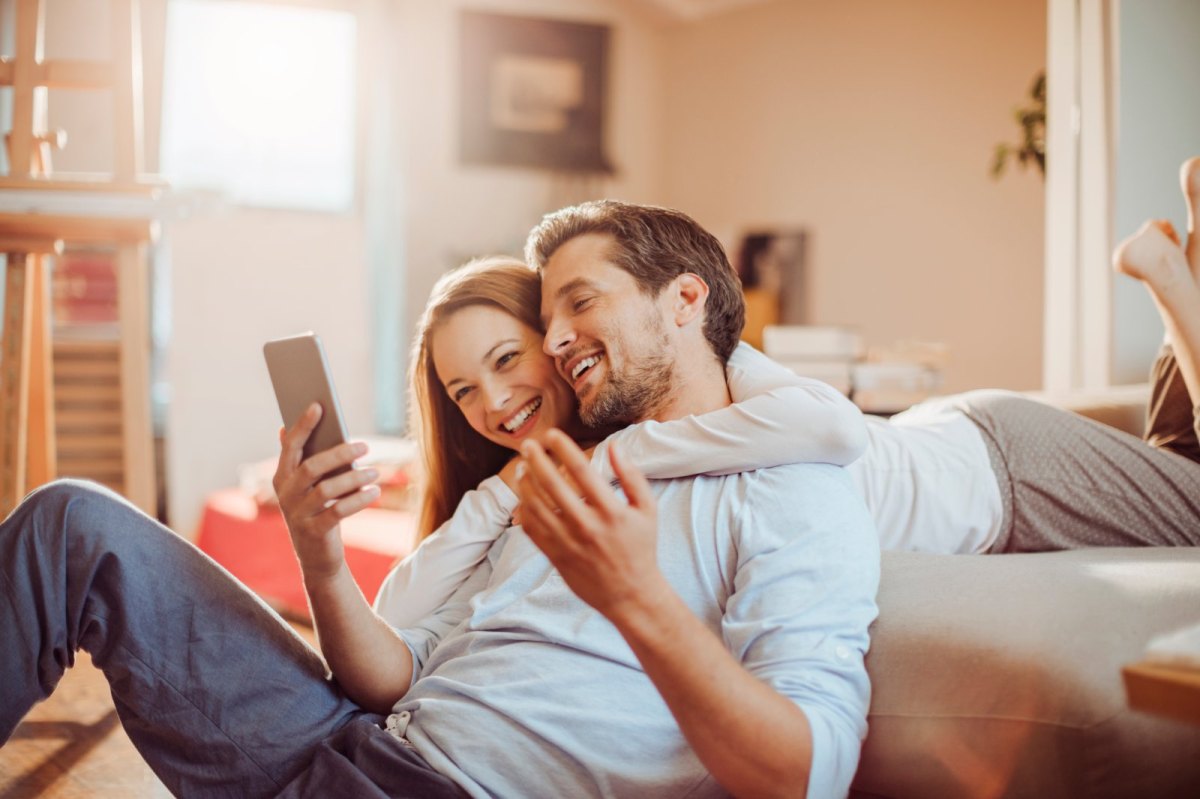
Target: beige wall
(453, 211)
(871, 124)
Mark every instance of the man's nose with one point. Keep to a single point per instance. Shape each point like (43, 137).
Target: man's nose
(559, 337)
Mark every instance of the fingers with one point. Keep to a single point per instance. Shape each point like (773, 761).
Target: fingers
(340, 486)
(547, 486)
(303, 492)
(593, 487)
(540, 519)
(544, 526)
(347, 506)
(331, 459)
(637, 487)
(293, 439)
(330, 493)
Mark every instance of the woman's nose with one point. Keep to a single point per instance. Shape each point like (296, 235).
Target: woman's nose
(496, 395)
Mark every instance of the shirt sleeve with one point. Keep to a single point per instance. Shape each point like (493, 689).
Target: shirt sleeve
(802, 602)
(777, 417)
(423, 636)
(422, 582)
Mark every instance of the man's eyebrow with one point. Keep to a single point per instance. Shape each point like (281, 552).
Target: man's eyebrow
(571, 285)
(487, 356)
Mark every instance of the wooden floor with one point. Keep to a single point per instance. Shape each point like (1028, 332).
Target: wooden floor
(72, 745)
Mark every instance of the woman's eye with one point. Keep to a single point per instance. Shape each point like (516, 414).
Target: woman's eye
(462, 392)
(505, 358)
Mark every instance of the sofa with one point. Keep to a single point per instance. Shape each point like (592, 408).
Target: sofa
(1000, 675)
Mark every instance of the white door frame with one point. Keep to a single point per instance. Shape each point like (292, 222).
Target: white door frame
(1080, 106)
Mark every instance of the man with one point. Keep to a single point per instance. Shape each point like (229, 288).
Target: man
(641, 312)
(719, 650)
(712, 646)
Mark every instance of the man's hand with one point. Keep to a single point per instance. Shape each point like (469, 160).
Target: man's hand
(313, 507)
(603, 547)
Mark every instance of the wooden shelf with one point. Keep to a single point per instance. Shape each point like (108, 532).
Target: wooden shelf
(150, 186)
(78, 229)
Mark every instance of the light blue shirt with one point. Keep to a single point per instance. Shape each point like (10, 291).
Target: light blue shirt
(521, 689)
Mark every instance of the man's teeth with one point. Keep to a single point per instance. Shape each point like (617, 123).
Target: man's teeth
(523, 414)
(586, 363)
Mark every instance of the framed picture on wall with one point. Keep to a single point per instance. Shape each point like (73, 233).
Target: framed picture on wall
(533, 92)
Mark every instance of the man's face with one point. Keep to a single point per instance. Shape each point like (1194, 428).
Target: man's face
(610, 341)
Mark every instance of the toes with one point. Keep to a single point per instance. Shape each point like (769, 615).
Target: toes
(1138, 255)
(1189, 179)
(1165, 227)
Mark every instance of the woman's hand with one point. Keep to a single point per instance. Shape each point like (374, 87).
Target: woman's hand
(313, 507)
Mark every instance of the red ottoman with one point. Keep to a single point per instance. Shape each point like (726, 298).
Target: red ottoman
(252, 542)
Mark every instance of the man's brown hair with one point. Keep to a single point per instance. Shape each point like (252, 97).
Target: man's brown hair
(655, 245)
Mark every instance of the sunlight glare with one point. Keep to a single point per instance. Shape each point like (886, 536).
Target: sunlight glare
(259, 103)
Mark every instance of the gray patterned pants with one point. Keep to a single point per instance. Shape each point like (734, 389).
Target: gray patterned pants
(1068, 482)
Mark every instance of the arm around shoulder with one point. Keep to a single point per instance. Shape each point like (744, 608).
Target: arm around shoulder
(777, 418)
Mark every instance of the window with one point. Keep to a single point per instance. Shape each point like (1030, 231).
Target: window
(259, 103)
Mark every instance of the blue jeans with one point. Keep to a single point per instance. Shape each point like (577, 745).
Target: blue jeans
(217, 693)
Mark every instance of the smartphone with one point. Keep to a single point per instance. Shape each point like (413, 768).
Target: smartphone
(300, 375)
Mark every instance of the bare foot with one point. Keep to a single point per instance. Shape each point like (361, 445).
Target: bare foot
(1189, 180)
(1152, 255)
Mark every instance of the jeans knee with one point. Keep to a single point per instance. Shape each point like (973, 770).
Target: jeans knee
(67, 491)
(69, 505)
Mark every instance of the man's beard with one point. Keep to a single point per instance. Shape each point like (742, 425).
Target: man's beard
(637, 392)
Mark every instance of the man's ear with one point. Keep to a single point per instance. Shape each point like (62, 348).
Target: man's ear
(689, 294)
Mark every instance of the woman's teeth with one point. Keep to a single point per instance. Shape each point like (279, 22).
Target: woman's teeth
(523, 414)
(586, 363)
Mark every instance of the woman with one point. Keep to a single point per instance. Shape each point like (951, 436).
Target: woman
(986, 471)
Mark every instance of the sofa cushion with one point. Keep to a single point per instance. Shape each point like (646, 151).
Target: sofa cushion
(1000, 675)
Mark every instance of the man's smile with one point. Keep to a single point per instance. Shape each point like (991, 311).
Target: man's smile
(577, 368)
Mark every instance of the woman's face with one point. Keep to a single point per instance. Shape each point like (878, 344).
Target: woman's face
(493, 368)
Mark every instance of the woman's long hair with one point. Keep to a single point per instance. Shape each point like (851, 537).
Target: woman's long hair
(455, 457)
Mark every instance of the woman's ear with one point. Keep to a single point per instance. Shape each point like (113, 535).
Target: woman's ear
(690, 295)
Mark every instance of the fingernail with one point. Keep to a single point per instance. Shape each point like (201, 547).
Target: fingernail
(372, 474)
(360, 449)
(520, 471)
